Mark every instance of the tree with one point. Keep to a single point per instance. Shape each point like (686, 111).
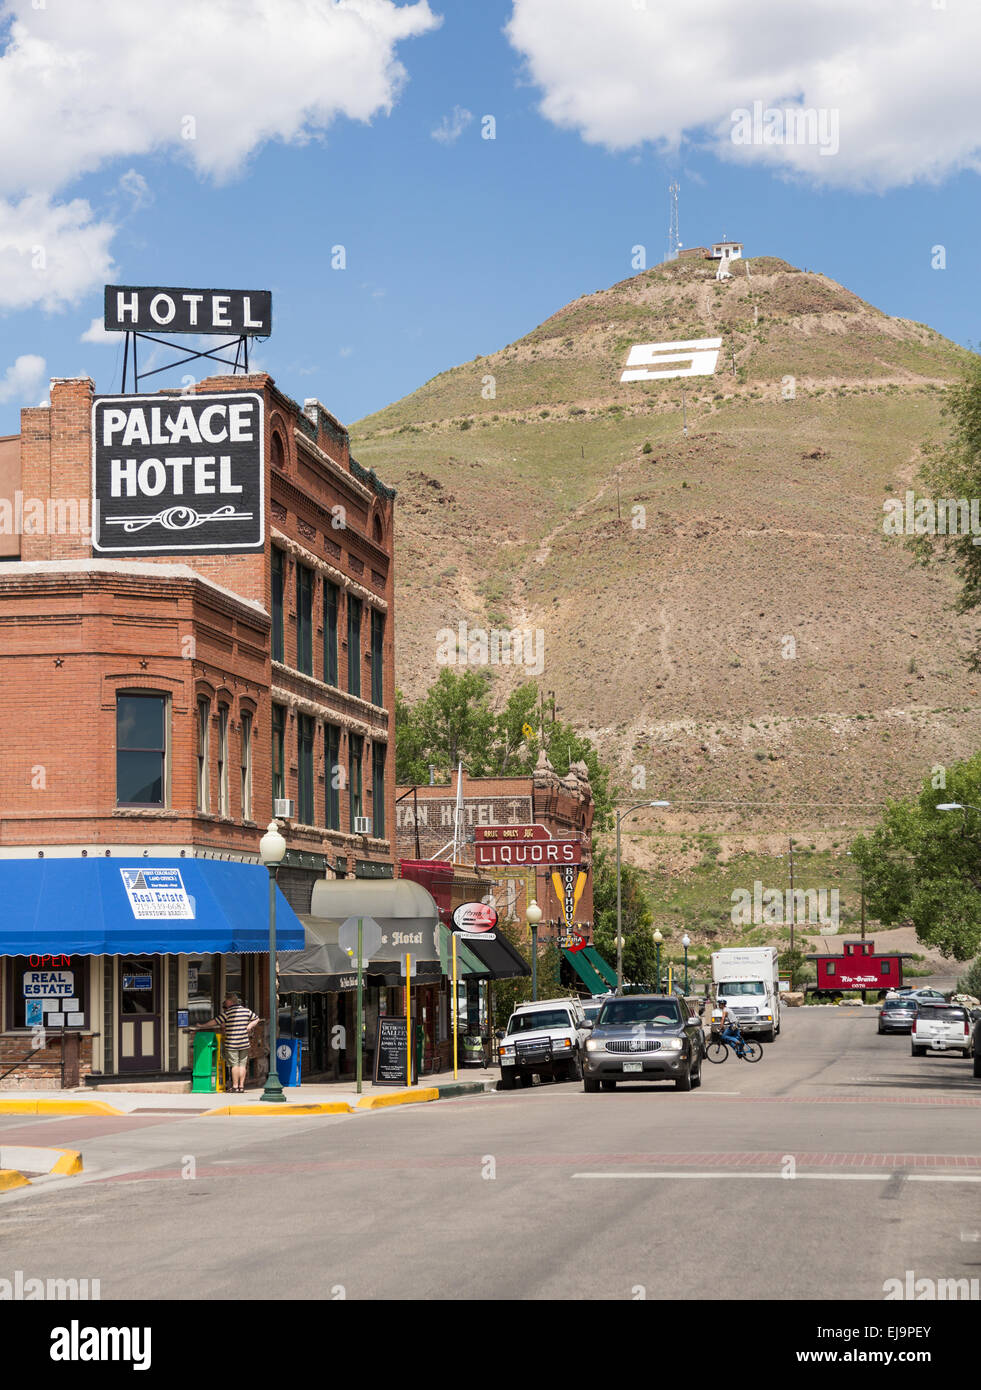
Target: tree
(953, 470)
(639, 950)
(411, 765)
(923, 866)
(456, 721)
(971, 982)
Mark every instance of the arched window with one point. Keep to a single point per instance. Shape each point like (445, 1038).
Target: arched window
(278, 452)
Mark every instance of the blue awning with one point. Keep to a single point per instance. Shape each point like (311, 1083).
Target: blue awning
(111, 907)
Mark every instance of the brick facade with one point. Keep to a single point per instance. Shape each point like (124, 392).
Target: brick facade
(564, 805)
(76, 632)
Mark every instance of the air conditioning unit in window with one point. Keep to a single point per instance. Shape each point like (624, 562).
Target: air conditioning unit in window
(283, 809)
(362, 825)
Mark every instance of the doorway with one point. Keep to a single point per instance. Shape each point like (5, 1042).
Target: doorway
(139, 989)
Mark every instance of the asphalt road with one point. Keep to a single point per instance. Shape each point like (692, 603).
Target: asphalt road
(835, 1164)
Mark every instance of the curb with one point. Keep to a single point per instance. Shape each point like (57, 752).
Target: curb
(417, 1097)
(331, 1107)
(42, 1162)
(466, 1088)
(58, 1107)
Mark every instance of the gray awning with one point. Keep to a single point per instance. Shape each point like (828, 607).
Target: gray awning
(399, 906)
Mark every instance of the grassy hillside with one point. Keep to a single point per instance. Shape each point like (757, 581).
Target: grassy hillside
(722, 610)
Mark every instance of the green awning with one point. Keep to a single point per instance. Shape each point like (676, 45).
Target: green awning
(466, 962)
(585, 971)
(600, 965)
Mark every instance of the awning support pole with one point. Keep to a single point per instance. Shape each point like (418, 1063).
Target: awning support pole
(360, 1062)
(408, 1022)
(455, 1002)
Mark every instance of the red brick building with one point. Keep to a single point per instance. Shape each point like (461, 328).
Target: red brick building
(564, 805)
(156, 707)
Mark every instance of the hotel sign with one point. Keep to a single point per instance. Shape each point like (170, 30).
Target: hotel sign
(179, 473)
(139, 309)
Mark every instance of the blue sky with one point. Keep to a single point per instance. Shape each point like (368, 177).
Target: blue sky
(456, 247)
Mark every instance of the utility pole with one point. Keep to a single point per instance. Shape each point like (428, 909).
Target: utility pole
(793, 902)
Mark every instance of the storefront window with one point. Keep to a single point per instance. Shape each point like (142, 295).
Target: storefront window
(48, 991)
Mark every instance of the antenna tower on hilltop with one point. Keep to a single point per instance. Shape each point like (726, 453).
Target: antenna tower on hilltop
(674, 229)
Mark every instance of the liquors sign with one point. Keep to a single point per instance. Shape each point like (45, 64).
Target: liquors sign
(177, 474)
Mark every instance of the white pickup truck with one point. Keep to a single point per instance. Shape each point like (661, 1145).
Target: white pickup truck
(941, 1028)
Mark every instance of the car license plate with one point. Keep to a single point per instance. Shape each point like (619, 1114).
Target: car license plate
(940, 1046)
(633, 1066)
(507, 1061)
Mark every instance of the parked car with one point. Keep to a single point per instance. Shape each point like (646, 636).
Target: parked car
(547, 1037)
(941, 1028)
(591, 1007)
(644, 1037)
(976, 1038)
(897, 1015)
(928, 995)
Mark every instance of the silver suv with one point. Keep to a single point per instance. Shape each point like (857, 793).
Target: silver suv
(645, 1037)
(547, 1037)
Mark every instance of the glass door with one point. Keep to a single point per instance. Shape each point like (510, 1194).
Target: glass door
(139, 1012)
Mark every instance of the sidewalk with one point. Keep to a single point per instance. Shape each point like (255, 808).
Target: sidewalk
(336, 1097)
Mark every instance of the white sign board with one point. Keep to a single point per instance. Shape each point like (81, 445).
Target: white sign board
(155, 894)
(701, 354)
(49, 984)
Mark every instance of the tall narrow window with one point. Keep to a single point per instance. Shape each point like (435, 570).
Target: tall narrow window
(304, 620)
(278, 752)
(353, 645)
(330, 632)
(204, 722)
(304, 789)
(141, 750)
(355, 799)
(377, 668)
(278, 561)
(378, 789)
(223, 760)
(246, 765)
(334, 771)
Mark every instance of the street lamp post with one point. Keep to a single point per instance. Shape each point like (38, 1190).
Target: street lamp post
(686, 942)
(658, 938)
(272, 848)
(533, 915)
(620, 817)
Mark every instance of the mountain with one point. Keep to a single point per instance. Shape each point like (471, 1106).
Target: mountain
(758, 636)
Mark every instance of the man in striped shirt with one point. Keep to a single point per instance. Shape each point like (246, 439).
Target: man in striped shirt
(236, 1022)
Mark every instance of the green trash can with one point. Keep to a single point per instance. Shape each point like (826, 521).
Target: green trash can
(420, 1044)
(204, 1064)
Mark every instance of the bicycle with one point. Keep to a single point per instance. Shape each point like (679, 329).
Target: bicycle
(718, 1049)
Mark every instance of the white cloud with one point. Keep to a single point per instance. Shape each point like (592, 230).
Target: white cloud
(51, 253)
(452, 127)
(899, 80)
(96, 333)
(136, 188)
(21, 381)
(206, 81)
